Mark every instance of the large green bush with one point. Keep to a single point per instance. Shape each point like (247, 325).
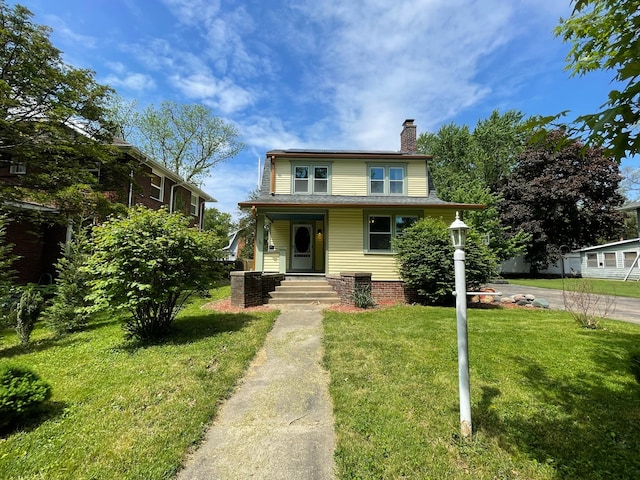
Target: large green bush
(148, 264)
(21, 391)
(425, 259)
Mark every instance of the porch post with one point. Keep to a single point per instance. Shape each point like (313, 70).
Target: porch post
(259, 260)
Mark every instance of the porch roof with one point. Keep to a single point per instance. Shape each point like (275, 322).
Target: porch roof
(351, 201)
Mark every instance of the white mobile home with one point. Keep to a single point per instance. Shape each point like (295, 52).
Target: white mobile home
(616, 261)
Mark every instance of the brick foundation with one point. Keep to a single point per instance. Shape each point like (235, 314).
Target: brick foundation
(249, 289)
(381, 291)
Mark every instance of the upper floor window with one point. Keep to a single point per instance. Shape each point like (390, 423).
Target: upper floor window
(387, 180)
(157, 186)
(311, 179)
(18, 168)
(194, 204)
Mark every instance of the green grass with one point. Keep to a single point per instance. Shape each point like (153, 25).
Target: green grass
(122, 410)
(619, 288)
(549, 400)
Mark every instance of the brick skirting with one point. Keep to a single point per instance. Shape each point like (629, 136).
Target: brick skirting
(249, 289)
(381, 291)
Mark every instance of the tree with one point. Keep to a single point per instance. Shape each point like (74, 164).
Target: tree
(563, 196)
(469, 166)
(148, 264)
(425, 258)
(220, 223)
(605, 35)
(487, 154)
(51, 114)
(187, 139)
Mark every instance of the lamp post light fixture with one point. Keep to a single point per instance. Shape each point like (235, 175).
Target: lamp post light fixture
(458, 231)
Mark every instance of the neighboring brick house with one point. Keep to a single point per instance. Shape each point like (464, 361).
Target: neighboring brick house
(333, 213)
(150, 184)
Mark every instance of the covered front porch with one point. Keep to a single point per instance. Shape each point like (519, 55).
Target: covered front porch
(291, 242)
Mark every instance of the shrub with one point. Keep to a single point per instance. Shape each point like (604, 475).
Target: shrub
(425, 258)
(67, 312)
(585, 304)
(21, 391)
(361, 297)
(148, 264)
(27, 311)
(7, 273)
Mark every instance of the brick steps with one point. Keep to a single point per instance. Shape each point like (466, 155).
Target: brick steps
(303, 291)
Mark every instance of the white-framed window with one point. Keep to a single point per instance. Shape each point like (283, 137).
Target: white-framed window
(387, 180)
(382, 227)
(630, 259)
(610, 260)
(18, 168)
(157, 186)
(592, 260)
(94, 170)
(311, 179)
(194, 204)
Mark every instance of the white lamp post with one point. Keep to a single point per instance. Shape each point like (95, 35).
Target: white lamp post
(458, 231)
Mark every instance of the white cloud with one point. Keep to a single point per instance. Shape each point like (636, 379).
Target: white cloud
(132, 81)
(220, 94)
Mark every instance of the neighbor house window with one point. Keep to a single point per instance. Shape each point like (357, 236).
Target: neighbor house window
(592, 260)
(382, 228)
(94, 170)
(630, 259)
(18, 168)
(610, 260)
(311, 179)
(387, 180)
(194, 204)
(157, 186)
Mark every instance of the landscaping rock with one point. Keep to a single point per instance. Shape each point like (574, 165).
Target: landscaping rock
(530, 297)
(541, 303)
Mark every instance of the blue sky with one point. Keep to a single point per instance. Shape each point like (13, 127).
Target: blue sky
(329, 74)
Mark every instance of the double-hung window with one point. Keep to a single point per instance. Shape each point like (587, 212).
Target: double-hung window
(381, 228)
(194, 204)
(18, 168)
(311, 179)
(387, 180)
(157, 186)
(592, 260)
(630, 259)
(610, 260)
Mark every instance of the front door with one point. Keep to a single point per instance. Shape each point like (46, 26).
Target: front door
(302, 248)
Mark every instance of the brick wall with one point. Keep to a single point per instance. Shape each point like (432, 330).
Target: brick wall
(249, 289)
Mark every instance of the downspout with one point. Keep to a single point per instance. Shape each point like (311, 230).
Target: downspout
(130, 201)
(201, 219)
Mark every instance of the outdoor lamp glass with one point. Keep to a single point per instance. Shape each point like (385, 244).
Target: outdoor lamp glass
(458, 231)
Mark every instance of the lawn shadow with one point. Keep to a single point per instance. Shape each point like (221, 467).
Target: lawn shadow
(37, 346)
(32, 420)
(583, 426)
(191, 328)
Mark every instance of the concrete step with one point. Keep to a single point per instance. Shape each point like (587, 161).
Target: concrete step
(304, 291)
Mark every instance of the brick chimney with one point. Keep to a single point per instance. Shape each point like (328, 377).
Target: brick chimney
(408, 137)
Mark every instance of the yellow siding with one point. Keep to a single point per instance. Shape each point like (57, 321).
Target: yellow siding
(349, 177)
(271, 262)
(417, 179)
(280, 234)
(345, 252)
(283, 177)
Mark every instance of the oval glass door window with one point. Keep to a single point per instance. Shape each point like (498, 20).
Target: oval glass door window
(302, 240)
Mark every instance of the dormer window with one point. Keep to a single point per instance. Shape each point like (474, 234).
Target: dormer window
(18, 169)
(311, 179)
(387, 180)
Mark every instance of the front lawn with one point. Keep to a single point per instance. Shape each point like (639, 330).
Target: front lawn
(618, 288)
(121, 410)
(550, 400)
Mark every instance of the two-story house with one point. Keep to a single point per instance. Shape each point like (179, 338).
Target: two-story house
(331, 213)
(37, 243)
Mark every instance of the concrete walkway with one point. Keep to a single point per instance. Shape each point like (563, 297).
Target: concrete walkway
(623, 308)
(278, 425)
